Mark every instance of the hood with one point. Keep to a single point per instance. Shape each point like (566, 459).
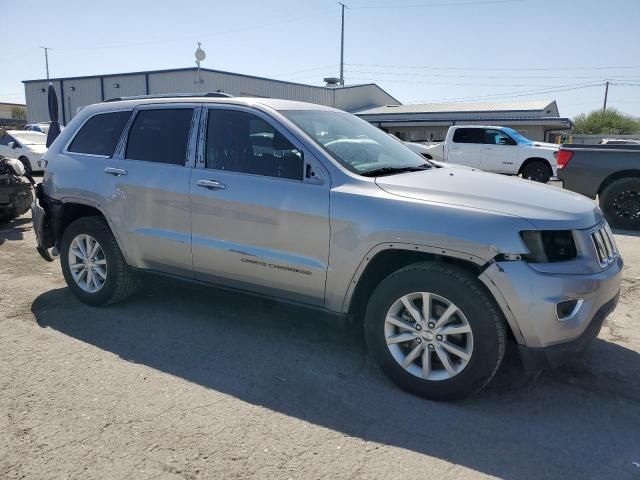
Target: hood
(545, 207)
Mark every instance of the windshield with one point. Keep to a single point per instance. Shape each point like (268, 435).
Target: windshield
(31, 138)
(517, 137)
(355, 143)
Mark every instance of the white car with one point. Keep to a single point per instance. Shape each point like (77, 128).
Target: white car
(26, 146)
(498, 150)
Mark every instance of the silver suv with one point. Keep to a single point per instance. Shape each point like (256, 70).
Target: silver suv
(312, 205)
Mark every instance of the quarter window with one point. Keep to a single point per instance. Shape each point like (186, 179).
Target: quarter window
(160, 135)
(245, 143)
(100, 134)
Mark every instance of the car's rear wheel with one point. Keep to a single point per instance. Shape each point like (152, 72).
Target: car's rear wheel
(620, 202)
(435, 331)
(537, 171)
(92, 264)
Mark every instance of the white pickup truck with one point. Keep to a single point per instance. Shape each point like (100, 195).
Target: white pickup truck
(495, 149)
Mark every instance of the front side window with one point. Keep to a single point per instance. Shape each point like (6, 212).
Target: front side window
(5, 138)
(355, 143)
(160, 136)
(497, 137)
(469, 135)
(100, 134)
(245, 143)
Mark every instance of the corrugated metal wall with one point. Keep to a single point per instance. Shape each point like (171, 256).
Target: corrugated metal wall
(79, 93)
(37, 101)
(124, 86)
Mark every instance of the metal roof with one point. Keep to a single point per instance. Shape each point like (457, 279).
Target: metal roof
(482, 107)
(170, 70)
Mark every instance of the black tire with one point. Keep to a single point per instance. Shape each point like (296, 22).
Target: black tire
(465, 291)
(620, 202)
(120, 281)
(27, 165)
(537, 171)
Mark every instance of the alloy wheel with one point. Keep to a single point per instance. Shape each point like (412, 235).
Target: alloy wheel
(87, 263)
(428, 336)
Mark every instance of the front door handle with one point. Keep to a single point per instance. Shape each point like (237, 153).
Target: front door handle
(115, 171)
(211, 184)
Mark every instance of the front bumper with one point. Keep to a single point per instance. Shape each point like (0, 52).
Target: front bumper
(528, 298)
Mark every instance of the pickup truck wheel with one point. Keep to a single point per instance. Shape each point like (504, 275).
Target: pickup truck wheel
(435, 331)
(92, 264)
(537, 171)
(620, 202)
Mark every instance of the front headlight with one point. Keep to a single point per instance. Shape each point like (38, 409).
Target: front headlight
(549, 245)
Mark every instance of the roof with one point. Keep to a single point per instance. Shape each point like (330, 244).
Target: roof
(194, 69)
(482, 107)
(13, 104)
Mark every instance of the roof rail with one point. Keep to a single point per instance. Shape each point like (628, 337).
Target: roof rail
(170, 95)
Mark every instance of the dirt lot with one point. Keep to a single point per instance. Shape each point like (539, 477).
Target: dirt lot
(191, 382)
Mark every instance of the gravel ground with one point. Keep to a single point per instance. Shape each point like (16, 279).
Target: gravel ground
(190, 382)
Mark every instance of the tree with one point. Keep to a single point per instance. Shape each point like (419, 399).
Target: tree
(611, 122)
(18, 113)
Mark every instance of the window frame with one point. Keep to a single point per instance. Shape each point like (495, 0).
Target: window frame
(307, 157)
(121, 147)
(66, 150)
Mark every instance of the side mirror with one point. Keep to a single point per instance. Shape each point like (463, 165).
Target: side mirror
(507, 141)
(11, 145)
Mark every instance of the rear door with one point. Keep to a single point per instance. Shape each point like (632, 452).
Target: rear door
(466, 147)
(500, 152)
(260, 219)
(145, 187)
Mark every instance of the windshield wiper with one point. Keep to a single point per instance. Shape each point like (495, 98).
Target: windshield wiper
(382, 171)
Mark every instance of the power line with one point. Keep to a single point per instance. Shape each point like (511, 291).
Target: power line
(528, 69)
(457, 84)
(430, 5)
(494, 77)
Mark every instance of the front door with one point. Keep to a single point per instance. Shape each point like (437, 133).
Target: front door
(500, 152)
(257, 222)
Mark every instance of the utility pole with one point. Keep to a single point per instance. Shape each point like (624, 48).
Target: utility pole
(342, 46)
(606, 92)
(46, 59)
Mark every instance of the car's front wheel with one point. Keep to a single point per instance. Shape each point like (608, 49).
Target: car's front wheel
(92, 264)
(435, 331)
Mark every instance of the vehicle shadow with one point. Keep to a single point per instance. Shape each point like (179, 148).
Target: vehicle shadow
(582, 420)
(14, 229)
(628, 233)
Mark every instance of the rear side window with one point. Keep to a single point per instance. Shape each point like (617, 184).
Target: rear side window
(469, 135)
(100, 134)
(160, 136)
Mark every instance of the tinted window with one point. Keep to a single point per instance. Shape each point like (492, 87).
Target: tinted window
(160, 136)
(5, 138)
(100, 134)
(469, 135)
(242, 142)
(497, 137)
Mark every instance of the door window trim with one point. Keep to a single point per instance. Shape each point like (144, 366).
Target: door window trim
(307, 157)
(120, 153)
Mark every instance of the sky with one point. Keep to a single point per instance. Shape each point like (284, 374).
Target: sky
(420, 51)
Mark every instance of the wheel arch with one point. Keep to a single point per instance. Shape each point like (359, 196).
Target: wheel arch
(67, 212)
(629, 173)
(535, 159)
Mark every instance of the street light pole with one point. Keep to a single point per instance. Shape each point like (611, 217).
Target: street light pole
(46, 59)
(342, 46)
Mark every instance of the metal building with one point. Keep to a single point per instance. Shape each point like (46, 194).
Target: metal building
(76, 92)
(537, 120)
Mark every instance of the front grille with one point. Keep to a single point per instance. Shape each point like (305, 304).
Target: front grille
(605, 245)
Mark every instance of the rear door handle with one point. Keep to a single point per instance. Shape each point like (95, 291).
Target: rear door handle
(211, 184)
(115, 171)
